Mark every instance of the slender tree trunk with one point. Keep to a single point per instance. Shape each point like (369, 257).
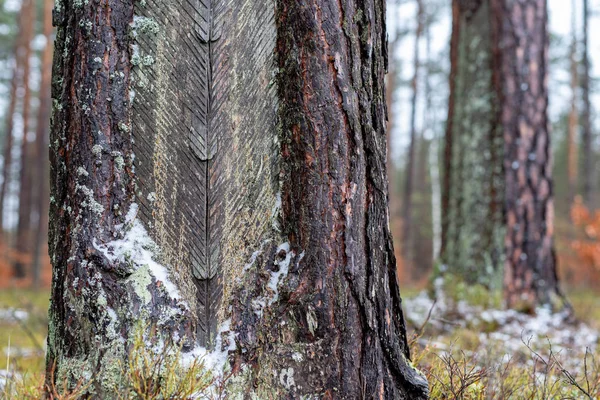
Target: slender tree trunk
(9, 139)
(410, 160)
(588, 172)
(433, 159)
(449, 136)
(9, 136)
(23, 240)
(258, 107)
(530, 276)
(41, 140)
(573, 159)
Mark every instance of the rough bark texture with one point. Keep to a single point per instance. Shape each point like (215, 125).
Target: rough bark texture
(97, 302)
(530, 263)
(341, 306)
(289, 197)
(473, 220)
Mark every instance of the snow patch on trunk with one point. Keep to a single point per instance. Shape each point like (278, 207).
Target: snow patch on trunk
(138, 247)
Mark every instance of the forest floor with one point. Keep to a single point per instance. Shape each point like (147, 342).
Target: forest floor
(467, 346)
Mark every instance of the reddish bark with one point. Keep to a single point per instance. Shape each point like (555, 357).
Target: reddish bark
(530, 276)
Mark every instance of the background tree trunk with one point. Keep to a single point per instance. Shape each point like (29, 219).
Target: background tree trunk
(433, 156)
(261, 105)
(409, 171)
(41, 146)
(23, 239)
(472, 242)
(573, 151)
(530, 276)
(449, 137)
(588, 171)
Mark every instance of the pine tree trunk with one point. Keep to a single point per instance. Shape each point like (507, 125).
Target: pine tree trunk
(448, 136)
(259, 174)
(589, 169)
(41, 140)
(498, 127)
(530, 276)
(24, 238)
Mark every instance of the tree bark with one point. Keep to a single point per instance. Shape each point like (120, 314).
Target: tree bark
(588, 172)
(472, 242)
(501, 150)
(449, 137)
(23, 239)
(273, 115)
(41, 145)
(530, 276)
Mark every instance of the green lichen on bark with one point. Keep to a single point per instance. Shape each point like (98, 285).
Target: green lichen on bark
(474, 242)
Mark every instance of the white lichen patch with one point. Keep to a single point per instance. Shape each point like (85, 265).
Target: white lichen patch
(286, 378)
(82, 172)
(97, 150)
(284, 258)
(90, 202)
(144, 25)
(119, 160)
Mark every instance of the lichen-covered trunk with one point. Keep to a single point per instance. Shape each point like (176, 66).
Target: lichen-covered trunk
(104, 284)
(253, 217)
(472, 234)
(530, 276)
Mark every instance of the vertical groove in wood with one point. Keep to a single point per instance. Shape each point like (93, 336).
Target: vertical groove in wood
(204, 123)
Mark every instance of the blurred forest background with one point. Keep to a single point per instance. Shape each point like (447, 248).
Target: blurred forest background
(418, 91)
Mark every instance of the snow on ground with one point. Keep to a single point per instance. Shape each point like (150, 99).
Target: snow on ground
(509, 331)
(13, 315)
